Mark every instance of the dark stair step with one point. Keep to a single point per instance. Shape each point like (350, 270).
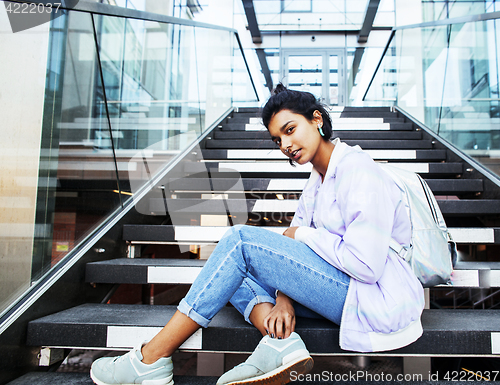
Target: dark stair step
(202, 234)
(366, 109)
(184, 271)
(364, 144)
(367, 114)
(241, 126)
(284, 170)
(247, 109)
(137, 270)
(248, 154)
(343, 135)
(462, 207)
(103, 326)
(452, 186)
(54, 378)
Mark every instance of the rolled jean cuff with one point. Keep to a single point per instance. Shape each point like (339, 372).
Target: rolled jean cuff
(187, 310)
(256, 301)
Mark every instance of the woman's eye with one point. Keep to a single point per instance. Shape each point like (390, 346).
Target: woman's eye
(290, 129)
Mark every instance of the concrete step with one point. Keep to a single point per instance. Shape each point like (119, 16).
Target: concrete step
(185, 271)
(337, 127)
(365, 144)
(448, 186)
(462, 207)
(343, 135)
(115, 327)
(210, 234)
(270, 154)
(281, 168)
(84, 379)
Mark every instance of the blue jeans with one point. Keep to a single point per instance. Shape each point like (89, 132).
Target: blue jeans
(247, 267)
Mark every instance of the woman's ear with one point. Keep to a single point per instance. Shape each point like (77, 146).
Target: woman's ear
(317, 117)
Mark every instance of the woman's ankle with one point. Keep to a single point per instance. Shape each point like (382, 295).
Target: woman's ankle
(149, 357)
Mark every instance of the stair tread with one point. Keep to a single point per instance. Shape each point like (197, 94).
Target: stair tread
(276, 154)
(297, 184)
(282, 168)
(90, 325)
(184, 271)
(343, 135)
(223, 206)
(175, 262)
(365, 144)
(84, 379)
(137, 233)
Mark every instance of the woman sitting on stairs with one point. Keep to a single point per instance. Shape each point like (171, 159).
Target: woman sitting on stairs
(333, 261)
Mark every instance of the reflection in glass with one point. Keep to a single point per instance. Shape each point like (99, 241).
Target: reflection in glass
(23, 67)
(447, 78)
(81, 188)
(305, 73)
(334, 80)
(107, 94)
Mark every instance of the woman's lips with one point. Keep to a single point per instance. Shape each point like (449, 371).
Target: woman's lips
(296, 154)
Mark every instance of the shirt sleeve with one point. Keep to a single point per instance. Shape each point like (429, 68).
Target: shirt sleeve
(362, 191)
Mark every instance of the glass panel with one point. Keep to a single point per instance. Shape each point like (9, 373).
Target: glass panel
(434, 57)
(470, 108)
(20, 138)
(97, 124)
(410, 77)
(383, 90)
(294, 15)
(305, 73)
(78, 186)
(296, 5)
(243, 90)
(214, 50)
(334, 87)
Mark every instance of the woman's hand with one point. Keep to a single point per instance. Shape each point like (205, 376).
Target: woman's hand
(280, 322)
(290, 232)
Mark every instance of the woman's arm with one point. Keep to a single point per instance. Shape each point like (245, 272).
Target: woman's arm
(367, 210)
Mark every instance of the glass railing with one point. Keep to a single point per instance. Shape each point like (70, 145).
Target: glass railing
(445, 74)
(80, 96)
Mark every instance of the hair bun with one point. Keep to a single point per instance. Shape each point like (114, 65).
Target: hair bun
(279, 88)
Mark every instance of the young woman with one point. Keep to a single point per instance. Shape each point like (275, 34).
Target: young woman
(334, 260)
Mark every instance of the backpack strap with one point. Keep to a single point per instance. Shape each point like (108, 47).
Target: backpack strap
(399, 249)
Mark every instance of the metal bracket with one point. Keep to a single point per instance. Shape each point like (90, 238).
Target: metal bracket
(49, 356)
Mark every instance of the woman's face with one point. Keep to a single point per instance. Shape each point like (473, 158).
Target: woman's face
(297, 137)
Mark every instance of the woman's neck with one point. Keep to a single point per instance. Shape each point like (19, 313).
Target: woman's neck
(322, 158)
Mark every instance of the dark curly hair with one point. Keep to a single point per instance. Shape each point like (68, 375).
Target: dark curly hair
(298, 102)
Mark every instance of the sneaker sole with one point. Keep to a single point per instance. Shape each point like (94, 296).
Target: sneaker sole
(145, 382)
(281, 375)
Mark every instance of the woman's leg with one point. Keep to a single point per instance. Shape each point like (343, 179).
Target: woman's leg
(275, 261)
(254, 301)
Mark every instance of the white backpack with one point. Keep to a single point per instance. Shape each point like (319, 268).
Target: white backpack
(432, 250)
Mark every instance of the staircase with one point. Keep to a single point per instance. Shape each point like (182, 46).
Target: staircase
(251, 182)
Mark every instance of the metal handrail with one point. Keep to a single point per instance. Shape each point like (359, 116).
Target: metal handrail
(437, 23)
